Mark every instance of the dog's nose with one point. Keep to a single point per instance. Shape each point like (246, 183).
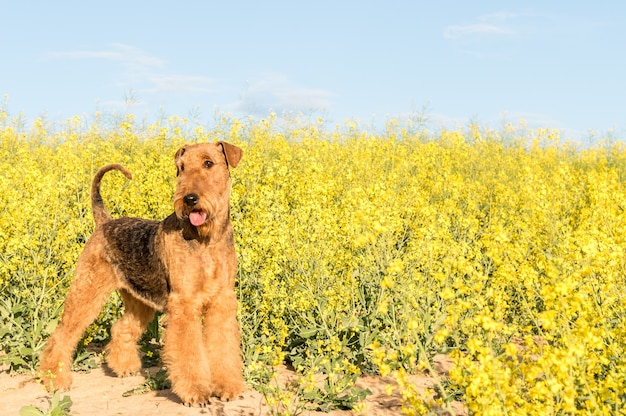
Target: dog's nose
(190, 199)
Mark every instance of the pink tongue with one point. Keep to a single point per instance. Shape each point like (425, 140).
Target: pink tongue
(197, 218)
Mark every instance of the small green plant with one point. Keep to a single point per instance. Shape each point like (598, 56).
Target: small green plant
(153, 383)
(23, 328)
(151, 354)
(337, 392)
(150, 344)
(85, 361)
(57, 407)
(284, 399)
(321, 389)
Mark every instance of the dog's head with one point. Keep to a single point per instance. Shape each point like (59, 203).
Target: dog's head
(203, 188)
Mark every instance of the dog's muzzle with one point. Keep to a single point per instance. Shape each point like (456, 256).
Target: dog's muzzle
(191, 199)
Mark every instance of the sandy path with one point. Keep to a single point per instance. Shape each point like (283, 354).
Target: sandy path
(98, 393)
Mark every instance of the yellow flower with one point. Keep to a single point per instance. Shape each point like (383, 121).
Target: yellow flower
(383, 307)
(441, 335)
(503, 248)
(395, 267)
(387, 282)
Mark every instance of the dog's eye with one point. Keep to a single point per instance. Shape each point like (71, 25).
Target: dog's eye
(208, 164)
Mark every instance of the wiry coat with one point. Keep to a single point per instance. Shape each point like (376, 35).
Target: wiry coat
(184, 265)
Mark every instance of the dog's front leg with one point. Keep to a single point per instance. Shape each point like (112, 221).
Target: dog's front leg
(222, 340)
(183, 352)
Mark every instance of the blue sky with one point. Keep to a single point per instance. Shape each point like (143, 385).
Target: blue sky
(554, 64)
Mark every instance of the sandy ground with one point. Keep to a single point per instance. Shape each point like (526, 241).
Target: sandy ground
(99, 393)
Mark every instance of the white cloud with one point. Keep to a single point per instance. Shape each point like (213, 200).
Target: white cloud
(277, 93)
(141, 72)
(151, 80)
(462, 31)
(532, 120)
(498, 23)
(182, 83)
(499, 16)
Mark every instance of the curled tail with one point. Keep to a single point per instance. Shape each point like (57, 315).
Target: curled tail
(100, 213)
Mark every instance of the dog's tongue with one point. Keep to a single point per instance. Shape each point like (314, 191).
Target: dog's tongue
(197, 218)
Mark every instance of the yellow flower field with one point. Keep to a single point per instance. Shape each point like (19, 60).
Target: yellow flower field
(358, 253)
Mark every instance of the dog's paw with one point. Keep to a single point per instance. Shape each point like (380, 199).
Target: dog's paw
(123, 365)
(202, 404)
(195, 397)
(129, 373)
(230, 391)
(124, 372)
(54, 384)
(59, 380)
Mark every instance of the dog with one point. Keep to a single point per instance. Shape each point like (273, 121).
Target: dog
(184, 266)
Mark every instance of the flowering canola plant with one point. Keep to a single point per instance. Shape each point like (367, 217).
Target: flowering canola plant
(359, 252)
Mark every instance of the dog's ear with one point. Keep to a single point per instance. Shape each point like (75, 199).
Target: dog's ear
(232, 153)
(177, 157)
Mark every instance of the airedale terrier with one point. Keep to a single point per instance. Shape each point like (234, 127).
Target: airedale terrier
(184, 265)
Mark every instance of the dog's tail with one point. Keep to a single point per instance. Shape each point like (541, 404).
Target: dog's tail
(100, 213)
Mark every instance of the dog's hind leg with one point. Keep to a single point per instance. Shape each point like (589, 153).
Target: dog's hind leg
(93, 283)
(123, 355)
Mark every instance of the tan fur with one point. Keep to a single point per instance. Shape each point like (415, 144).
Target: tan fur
(186, 270)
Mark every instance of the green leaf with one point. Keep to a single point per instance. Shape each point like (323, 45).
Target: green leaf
(25, 351)
(15, 360)
(65, 402)
(4, 331)
(51, 326)
(30, 411)
(308, 332)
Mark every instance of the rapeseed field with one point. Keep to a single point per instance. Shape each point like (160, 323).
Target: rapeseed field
(359, 253)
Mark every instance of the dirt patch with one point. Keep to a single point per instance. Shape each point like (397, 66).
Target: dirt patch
(99, 393)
